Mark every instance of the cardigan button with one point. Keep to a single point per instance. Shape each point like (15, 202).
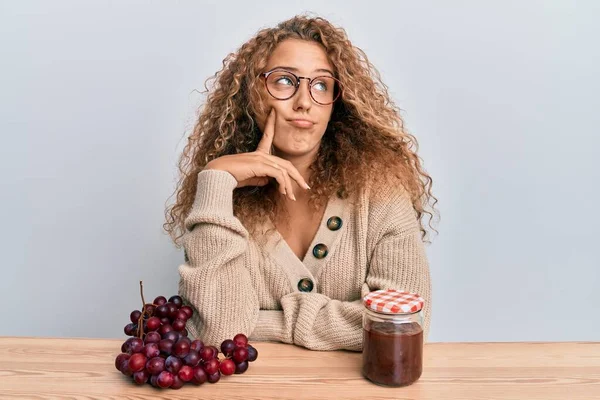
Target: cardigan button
(334, 223)
(305, 285)
(320, 251)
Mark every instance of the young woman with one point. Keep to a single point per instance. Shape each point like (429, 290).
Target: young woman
(300, 193)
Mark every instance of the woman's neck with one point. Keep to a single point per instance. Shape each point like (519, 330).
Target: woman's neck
(302, 163)
(301, 206)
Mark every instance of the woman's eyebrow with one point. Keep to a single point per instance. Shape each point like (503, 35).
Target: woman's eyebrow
(293, 69)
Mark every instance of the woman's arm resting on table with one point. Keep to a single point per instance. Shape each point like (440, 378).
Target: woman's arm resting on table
(315, 321)
(215, 280)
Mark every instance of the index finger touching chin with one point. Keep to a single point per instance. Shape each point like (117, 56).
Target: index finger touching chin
(266, 142)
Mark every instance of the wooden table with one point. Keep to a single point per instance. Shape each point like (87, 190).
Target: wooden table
(39, 368)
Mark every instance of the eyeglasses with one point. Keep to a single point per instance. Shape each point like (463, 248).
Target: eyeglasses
(283, 85)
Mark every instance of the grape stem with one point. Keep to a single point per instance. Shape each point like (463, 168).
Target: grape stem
(144, 311)
(141, 319)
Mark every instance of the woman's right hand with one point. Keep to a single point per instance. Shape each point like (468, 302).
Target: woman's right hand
(255, 168)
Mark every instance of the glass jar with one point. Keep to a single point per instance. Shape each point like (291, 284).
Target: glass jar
(392, 337)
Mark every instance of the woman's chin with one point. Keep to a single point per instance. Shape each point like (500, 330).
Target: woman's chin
(294, 151)
(295, 144)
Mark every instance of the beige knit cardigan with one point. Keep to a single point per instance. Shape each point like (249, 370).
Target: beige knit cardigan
(237, 284)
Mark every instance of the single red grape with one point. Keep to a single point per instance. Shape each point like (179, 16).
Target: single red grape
(153, 380)
(135, 346)
(173, 364)
(153, 323)
(240, 340)
(199, 376)
(182, 315)
(152, 337)
(181, 348)
(172, 335)
(137, 362)
(192, 359)
(206, 353)
(149, 310)
(120, 358)
(178, 325)
(227, 347)
(164, 329)
(165, 320)
(252, 353)
(188, 310)
(166, 346)
(125, 345)
(172, 310)
(165, 379)
(211, 366)
(155, 365)
(135, 316)
(214, 378)
(227, 367)
(240, 354)
(125, 369)
(177, 382)
(177, 300)
(162, 311)
(242, 367)
(197, 345)
(130, 329)
(141, 377)
(151, 350)
(186, 373)
(160, 300)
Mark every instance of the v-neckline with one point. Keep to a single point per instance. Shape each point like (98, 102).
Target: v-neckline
(310, 266)
(314, 238)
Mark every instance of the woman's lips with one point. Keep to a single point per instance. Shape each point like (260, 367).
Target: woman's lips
(301, 123)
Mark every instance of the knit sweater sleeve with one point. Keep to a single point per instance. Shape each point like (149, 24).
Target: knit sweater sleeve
(398, 261)
(215, 280)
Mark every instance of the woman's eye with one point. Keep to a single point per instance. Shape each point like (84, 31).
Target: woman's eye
(285, 81)
(321, 86)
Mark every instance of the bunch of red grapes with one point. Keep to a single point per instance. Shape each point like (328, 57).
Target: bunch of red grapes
(159, 351)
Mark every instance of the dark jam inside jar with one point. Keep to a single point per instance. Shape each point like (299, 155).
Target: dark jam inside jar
(393, 353)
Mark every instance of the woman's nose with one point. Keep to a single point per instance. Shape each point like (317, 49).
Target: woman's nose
(303, 99)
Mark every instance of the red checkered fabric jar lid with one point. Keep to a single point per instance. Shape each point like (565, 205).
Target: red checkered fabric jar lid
(391, 301)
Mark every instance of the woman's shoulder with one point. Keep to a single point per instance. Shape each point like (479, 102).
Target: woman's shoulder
(386, 192)
(387, 204)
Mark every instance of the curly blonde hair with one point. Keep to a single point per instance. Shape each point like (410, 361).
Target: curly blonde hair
(364, 141)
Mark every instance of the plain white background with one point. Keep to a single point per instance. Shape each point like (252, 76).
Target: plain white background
(97, 97)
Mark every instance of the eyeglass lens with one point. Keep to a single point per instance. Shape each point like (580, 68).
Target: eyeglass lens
(282, 86)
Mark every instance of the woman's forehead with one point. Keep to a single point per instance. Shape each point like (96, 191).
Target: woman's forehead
(300, 56)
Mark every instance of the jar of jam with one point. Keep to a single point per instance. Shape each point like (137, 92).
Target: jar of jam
(392, 337)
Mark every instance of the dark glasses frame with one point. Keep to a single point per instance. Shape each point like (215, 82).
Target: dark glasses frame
(265, 75)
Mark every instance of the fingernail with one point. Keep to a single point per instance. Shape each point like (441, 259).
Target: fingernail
(306, 186)
(293, 197)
